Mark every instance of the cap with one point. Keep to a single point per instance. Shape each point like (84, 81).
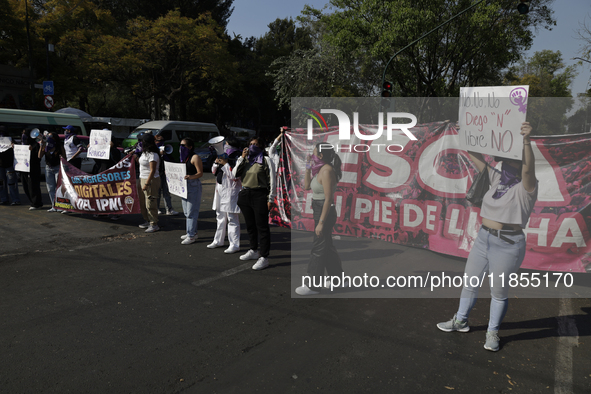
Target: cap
(68, 127)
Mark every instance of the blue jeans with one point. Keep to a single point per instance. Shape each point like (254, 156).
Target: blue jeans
(491, 255)
(51, 175)
(191, 205)
(9, 184)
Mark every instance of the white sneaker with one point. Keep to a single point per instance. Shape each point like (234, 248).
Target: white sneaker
(188, 240)
(250, 255)
(187, 236)
(159, 212)
(261, 263)
(232, 249)
(64, 212)
(305, 291)
(213, 245)
(153, 228)
(144, 225)
(172, 212)
(52, 210)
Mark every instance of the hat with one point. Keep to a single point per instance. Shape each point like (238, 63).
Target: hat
(68, 127)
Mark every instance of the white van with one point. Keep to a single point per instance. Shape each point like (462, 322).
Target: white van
(174, 131)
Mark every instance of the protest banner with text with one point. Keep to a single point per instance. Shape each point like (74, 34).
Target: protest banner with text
(22, 158)
(175, 178)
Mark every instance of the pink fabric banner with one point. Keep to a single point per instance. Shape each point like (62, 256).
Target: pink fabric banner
(416, 197)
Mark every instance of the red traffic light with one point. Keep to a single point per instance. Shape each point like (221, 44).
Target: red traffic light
(387, 92)
(388, 86)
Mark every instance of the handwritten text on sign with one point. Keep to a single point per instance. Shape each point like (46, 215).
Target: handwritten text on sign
(175, 178)
(22, 158)
(490, 119)
(99, 144)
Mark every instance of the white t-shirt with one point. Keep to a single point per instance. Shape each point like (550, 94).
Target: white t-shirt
(71, 146)
(144, 162)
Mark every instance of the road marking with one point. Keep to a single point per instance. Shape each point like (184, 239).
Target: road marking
(568, 338)
(224, 274)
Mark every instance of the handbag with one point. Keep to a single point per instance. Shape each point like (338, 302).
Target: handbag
(479, 187)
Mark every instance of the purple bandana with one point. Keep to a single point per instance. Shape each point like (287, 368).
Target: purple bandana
(316, 165)
(230, 149)
(509, 178)
(255, 155)
(185, 153)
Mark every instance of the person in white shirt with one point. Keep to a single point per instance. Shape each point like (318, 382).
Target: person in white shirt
(225, 200)
(149, 182)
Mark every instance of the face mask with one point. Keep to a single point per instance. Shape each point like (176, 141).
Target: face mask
(316, 164)
(184, 153)
(509, 178)
(255, 155)
(50, 144)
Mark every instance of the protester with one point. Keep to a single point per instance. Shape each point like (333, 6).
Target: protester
(500, 246)
(323, 173)
(53, 150)
(8, 176)
(73, 147)
(149, 182)
(192, 203)
(32, 180)
(255, 200)
(163, 184)
(225, 199)
(275, 148)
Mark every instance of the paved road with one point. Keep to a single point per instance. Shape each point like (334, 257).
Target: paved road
(95, 306)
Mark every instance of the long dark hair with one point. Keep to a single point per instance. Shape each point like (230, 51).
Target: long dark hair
(329, 156)
(149, 144)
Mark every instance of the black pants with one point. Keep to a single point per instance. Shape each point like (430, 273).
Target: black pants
(324, 255)
(32, 187)
(77, 162)
(253, 204)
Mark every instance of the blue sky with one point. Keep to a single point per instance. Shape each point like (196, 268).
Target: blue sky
(251, 18)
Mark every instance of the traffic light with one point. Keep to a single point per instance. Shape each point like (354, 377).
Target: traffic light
(387, 92)
(523, 7)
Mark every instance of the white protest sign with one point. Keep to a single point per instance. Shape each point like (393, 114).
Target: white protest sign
(99, 144)
(22, 158)
(5, 143)
(175, 178)
(490, 119)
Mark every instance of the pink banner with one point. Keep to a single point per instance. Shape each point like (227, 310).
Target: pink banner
(416, 197)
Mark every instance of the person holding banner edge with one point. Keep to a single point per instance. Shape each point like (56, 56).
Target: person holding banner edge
(500, 246)
(149, 182)
(192, 203)
(323, 172)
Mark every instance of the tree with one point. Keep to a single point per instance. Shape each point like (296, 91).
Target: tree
(472, 50)
(549, 83)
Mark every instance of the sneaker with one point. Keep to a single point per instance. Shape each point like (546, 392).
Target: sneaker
(64, 212)
(153, 228)
(52, 210)
(261, 263)
(232, 249)
(213, 245)
(144, 225)
(454, 325)
(187, 236)
(492, 341)
(15, 203)
(172, 212)
(35, 208)
(115, 217)
(250, 255)
(188, 240)
(159, 212)
(305, 291)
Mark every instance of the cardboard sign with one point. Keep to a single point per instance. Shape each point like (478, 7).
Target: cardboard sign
(175, 178)
(22, 158)
(99, 144)
(5, 143)
(490, 119)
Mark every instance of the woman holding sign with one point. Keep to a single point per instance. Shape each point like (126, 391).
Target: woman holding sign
(499, 248)
(192, 203)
